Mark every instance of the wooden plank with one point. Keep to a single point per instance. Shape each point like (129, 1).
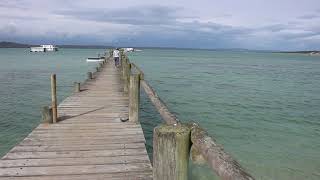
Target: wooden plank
(74, 169)
(74, 161)
(146, 175)
(77, 147)
(84, 131)
(90, 142)
(89, 125)
(68, 154)
(85, 138)
(79, 141)
(84, 135)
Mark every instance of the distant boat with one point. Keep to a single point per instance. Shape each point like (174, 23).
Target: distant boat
(44, 48)
(95, 59)
(131, 50)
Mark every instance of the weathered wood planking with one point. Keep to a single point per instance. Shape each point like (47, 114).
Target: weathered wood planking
(89, 141)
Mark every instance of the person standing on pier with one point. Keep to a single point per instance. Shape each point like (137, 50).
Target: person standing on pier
(116, 57)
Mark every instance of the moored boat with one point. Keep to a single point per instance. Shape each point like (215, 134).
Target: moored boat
(95, 59)
(44, 48)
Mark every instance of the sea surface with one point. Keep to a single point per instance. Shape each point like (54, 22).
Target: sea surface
(264, 108)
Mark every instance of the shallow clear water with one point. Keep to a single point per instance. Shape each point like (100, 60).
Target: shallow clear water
(263, 107)
(25, 87)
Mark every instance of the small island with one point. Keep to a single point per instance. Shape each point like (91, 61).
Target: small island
(5, 44)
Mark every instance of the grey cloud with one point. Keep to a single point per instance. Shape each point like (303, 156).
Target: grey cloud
(309, 16)
(188, 35)
(9, 29)
(139, 15)
(16, 4)
(158, 26)
(275, 27)
(14, 17)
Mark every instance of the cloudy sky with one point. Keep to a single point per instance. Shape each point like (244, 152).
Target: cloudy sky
(252, 24)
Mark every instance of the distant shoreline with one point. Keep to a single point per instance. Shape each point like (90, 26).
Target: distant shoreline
(18, 45)
(5, 44)
(311, 53)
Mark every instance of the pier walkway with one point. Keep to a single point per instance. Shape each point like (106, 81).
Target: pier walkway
(89, 139)
(88, 142)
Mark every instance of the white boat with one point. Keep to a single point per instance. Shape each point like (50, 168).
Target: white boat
(44, 48)
(131, 50)
(95, 59)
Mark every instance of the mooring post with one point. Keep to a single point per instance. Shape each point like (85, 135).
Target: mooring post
(54, 98)
(89, 75)
(123, 69)
(128, 71)
(46, 114)
(125, 76)
(76, 86)
(171, 146)
(134, 97)
(121, 61)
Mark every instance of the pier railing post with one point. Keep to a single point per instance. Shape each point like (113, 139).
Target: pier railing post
(89, 75)
(128, 72)
(171, 146)
(76, 87)
(126, 75)
(54, 98)
(46, 114)
(134, 97)
(123, 68)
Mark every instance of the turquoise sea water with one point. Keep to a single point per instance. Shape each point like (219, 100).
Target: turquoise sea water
(263, 107)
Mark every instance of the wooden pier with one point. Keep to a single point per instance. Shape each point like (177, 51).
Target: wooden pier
(89, 141)
(95, 134)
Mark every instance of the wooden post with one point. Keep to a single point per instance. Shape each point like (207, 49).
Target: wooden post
(128, 72)
(123, 68)
(171, 146)
(134, 97)
(54, 98)
(76, 87)
(89, 75)
(46, 114)
(125, 76)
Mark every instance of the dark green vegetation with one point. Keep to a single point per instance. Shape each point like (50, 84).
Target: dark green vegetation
(5, 44)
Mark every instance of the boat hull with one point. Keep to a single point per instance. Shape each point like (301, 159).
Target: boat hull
(94, 60)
